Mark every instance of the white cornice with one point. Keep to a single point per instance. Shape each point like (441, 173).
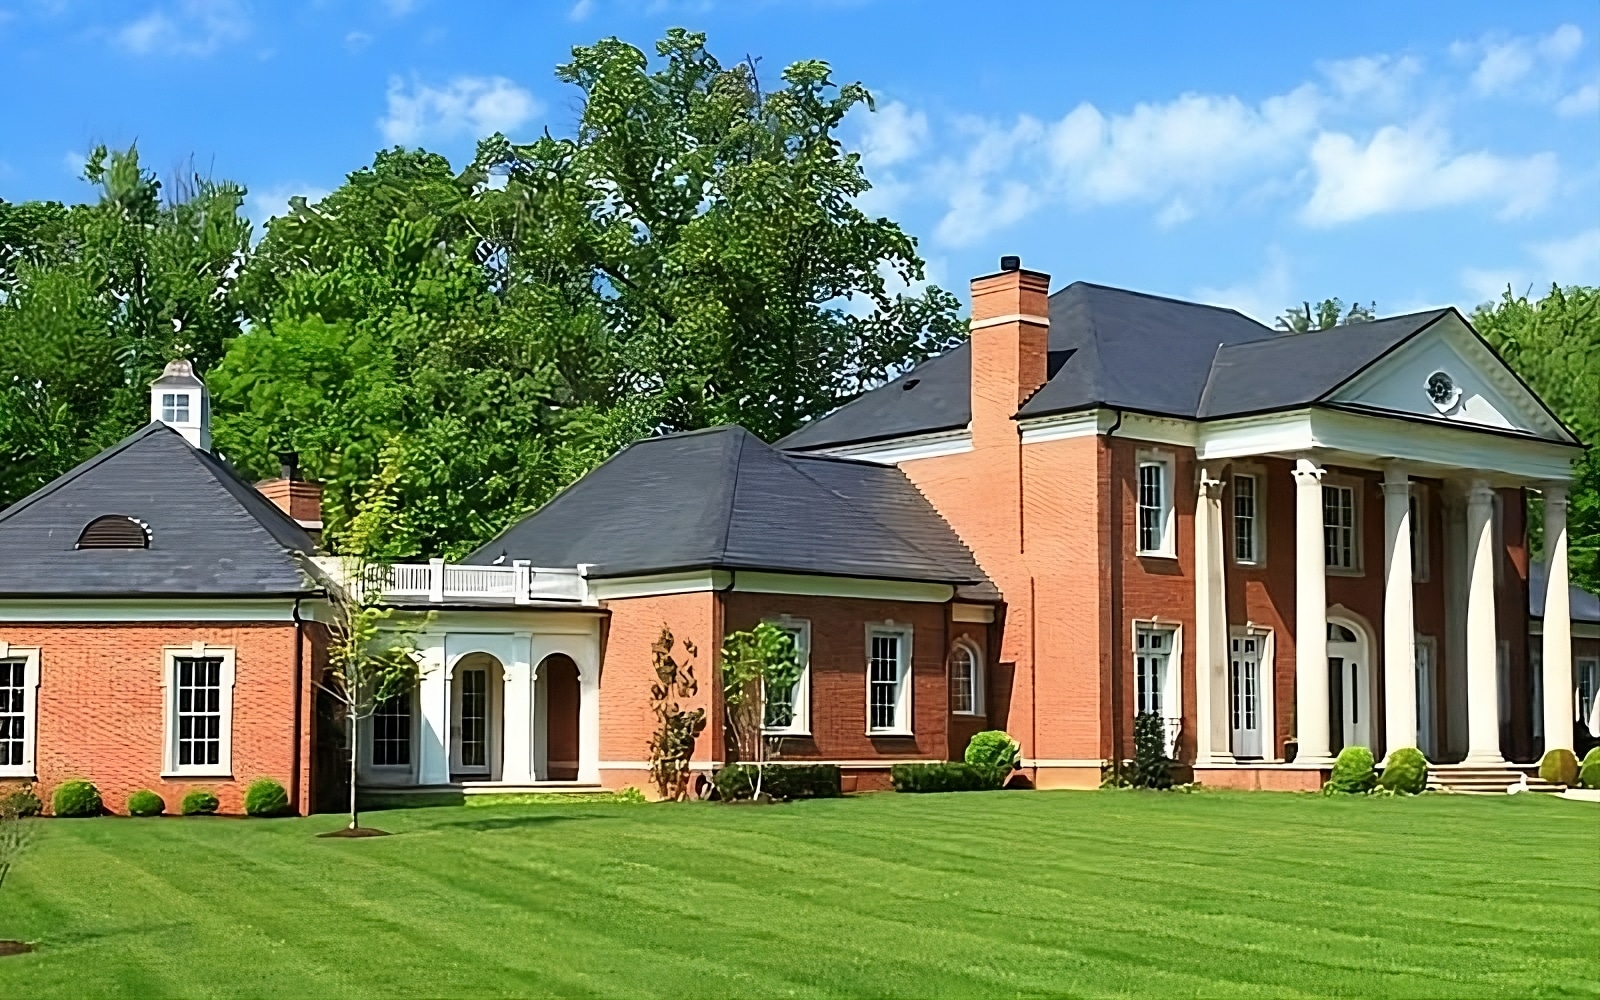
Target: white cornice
(750, 581)
(1030, 318)
(658, 584)
(1174, 431)
(1061, 426)
(893, 451)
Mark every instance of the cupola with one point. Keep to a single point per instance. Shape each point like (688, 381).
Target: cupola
(180, 400)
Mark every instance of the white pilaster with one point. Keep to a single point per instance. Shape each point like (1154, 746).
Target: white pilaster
(1483, 695)
(1310, 617)
(1211, 628)
(1557, 622)
(1399, 626)
(589, 711)
(433, 698)
(516, 766)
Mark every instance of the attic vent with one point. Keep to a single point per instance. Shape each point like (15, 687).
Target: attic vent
(114, 531)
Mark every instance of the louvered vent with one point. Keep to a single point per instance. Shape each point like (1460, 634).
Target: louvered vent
(114, 531)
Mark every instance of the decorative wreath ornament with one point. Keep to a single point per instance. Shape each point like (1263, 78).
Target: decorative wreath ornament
(1443, 392)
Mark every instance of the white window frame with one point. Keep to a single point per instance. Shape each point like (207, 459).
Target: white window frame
(29, 655)
(1357, 522)
(799, 630)
(902, 723)
(1418, 519)
(1266, 651)
(1426, 653)
(1171, 680)
(170, 767)
(1166, 528)
(369, 744)
(174, 403)
(966, 646)
(1587, 669)
(1258, 534)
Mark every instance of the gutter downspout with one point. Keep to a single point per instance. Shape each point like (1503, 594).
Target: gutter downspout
(1115, 604)
(299, 713)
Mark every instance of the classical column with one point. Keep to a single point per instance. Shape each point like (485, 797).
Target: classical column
(1212, 728)
(433, 698)
(1483, 687)
(1557, 622)
(1310, 617)
(1399, 629)
(516, 762)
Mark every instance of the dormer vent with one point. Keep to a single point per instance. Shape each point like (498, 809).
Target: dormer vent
(114, 531)
(180, 400)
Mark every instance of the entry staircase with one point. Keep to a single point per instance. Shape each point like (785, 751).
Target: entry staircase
(1477, 780)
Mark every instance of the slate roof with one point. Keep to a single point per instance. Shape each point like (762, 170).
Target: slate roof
(211, 533)
(1585, 606)
(723, 499)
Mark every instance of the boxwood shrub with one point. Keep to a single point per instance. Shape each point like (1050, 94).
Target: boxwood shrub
(946, 776)
(200, 802)
(1559, 767)
(994, 748)
(1352, 773)
(23, 802)
(266, 797)
(1589, 773)
(1405, 772)
(781, 781)
(144, 802)
(76, 798)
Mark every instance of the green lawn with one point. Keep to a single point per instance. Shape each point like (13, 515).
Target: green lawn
(1019, 893)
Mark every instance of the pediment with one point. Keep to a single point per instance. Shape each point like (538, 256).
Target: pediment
(1448, 373)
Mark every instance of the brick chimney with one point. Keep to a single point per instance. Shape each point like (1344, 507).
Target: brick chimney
(1010, 346)
(294, 496)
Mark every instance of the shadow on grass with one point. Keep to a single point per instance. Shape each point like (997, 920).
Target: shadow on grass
(513, 822)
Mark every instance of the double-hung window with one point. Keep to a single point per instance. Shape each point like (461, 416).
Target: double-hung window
(19, 683)
(1246, 519)
(1339, 538)
(1155, 528)
(199, 711)
(787, 712)
(888, 680)
(391, 732)
(966, 680)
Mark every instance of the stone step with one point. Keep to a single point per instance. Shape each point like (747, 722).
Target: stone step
(1484, 780)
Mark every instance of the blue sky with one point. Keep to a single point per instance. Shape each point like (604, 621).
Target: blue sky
(1248, 154)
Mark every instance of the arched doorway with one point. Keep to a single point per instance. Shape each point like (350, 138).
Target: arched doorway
(557, 694)
(1350, 679)
(477, 694)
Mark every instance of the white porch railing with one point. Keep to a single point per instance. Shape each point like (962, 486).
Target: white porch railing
(439, 582)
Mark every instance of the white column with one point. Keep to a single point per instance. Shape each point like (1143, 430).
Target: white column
(1310, 617)
(1399, 627)
(589, 710)
(516, 762)
(1483, 694)
(433, 697)
(1212, 730)
(1557, 638)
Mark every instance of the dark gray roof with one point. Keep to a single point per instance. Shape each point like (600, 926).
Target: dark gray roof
(1287, 371)
(931, 397)
(211, 533)
(723, 499)
(1585, 606)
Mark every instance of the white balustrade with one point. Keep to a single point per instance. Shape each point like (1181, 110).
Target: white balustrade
(440, 582)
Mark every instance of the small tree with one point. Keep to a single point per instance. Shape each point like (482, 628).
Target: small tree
(756, 664)
(1151, 766)
(15, 833)
(672, 744)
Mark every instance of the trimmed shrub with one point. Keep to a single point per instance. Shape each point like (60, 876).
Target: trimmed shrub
(945, 776)
(200, 802)
(21, 803)
(781, 781)
(1589, 773)
(1405, 772)
(144, 802)
(76, 798)
(266, 797)
(1151, 766)
(1352, 773)
(1559, 767)
(994, 748)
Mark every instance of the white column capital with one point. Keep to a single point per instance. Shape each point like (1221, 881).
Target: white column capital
(1480, 492)
(1210, 488)
(1305, 470)
(1554, 493)
(1396, 478)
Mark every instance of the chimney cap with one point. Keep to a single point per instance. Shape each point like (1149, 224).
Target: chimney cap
(289, 464)
(1010, 262)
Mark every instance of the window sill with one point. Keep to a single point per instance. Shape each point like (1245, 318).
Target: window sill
(970, 715)
(26, 774)
(1157, 555)
(900, 733)
(1340, 571)
(780, 733)
(226, 775)
(1255, 564)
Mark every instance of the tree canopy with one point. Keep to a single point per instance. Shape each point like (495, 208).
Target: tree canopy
(1325, 314)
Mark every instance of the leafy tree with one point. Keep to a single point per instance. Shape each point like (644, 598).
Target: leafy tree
(95, 298)
(1554, 343)
(1324, 315)
(754, 663)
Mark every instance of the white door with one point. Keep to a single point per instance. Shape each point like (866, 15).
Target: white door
(1244, 695)
(1350, 683)
(471, 702)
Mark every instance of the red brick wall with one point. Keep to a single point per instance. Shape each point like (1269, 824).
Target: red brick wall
(101, 714)
(628, 670)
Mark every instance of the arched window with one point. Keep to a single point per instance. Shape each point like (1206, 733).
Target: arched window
(966, 680)
(114, 531)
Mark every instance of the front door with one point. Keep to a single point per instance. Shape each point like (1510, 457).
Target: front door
(470, 747)
(1244, 695)
(1349, 688)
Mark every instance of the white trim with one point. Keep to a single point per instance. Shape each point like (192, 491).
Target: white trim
(982, 614)
(893, 451)
(1173, 431)
(1580, 630)
(1062, 762)
(1258, 474)
(1063, 426)
(903, 724)
(800, 720)
(658, 583)
(147, 609)
(984, 324)
(29, 655)
(1172, 682)
(965, 645)
(170, 768)
(1163, 460)
(1358, 522)
(754, 582)
(1265, 707)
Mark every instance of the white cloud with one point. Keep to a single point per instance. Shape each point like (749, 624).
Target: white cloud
(191, 28)
(1381, 80)
(355, 41)
(468, 106)
(74, 162)
(1504, 63)
(1263, 297)
(269, 203)
(892, 134)
(581, 10)
(1407, 169)
(1573, 260)
(1581, 103)
(400, 8)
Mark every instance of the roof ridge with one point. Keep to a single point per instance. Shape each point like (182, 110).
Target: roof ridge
(1162, 298)
(931, 557)
(83, 467)
(731, 494)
